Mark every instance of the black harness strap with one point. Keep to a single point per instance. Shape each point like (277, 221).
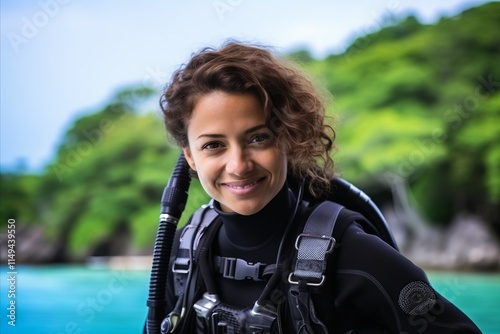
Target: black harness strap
(313, 245)
(185, 269)
(189, 240)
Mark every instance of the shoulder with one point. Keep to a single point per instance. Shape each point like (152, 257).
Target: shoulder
(372, 277)
(367, 258)
(359, 242)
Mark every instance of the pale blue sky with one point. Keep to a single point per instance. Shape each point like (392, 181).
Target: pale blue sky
(60, 58)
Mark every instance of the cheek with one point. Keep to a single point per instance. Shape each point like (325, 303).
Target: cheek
(281, 159)
(205, 180)
(277, 163)
(207, 171)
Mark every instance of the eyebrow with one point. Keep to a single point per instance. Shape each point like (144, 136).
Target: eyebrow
(216, 135)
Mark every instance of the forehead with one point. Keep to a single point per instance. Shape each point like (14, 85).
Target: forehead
(217, 111)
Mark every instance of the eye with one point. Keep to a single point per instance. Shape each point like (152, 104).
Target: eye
(261, 138)
(212, 146)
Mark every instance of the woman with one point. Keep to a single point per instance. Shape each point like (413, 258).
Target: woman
(253, 130)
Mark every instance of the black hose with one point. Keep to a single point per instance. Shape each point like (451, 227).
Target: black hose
(173, 202)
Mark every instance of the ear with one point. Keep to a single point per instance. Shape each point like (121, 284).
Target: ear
(189, 158)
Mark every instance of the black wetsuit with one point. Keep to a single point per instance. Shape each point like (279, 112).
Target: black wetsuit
(370, 287)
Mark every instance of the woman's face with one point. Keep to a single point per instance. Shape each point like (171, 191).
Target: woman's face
(234, 152)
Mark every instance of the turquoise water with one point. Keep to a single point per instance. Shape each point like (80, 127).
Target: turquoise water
(78, 300)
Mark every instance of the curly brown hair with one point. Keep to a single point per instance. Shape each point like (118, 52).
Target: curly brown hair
(295, 109)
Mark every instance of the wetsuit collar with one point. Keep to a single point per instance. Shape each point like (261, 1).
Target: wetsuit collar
(253, 230)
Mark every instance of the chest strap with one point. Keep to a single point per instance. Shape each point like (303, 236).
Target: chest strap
(239, 269)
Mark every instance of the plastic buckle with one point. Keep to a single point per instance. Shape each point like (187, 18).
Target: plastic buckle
(181, 266)
(239, 269)
(331, 240)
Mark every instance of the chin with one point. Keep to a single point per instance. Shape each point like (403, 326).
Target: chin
(247, 210)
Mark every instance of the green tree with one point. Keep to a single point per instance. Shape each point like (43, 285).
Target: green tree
(107, 182)
(421, 102)
(18, 197)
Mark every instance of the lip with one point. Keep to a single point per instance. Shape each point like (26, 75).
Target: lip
(242, 188)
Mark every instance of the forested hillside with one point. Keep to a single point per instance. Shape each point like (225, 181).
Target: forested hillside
(414, 105)
(420, 104)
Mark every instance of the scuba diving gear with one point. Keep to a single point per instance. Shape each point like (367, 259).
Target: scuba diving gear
(215, 317)
(360, 290)
(173, 202)
(314, 245)
(354, 199)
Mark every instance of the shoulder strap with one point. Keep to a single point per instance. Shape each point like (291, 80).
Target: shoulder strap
(322, 232)
(183, 268)
(315, 243)
(318, 238)
(188, 243)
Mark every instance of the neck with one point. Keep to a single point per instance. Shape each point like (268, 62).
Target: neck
(256, 229)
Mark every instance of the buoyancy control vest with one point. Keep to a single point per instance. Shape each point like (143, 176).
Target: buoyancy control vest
(193, 265)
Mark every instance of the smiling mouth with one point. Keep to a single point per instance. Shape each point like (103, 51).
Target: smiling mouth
(242, 185)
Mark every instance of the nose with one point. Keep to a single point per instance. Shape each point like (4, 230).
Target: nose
(239, 162)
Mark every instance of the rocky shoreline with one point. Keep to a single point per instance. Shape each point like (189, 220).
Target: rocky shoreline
(467, 244)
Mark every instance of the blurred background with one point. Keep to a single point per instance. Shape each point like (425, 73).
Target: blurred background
(84, 157)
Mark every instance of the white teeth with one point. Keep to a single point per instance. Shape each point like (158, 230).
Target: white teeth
(243, 187)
